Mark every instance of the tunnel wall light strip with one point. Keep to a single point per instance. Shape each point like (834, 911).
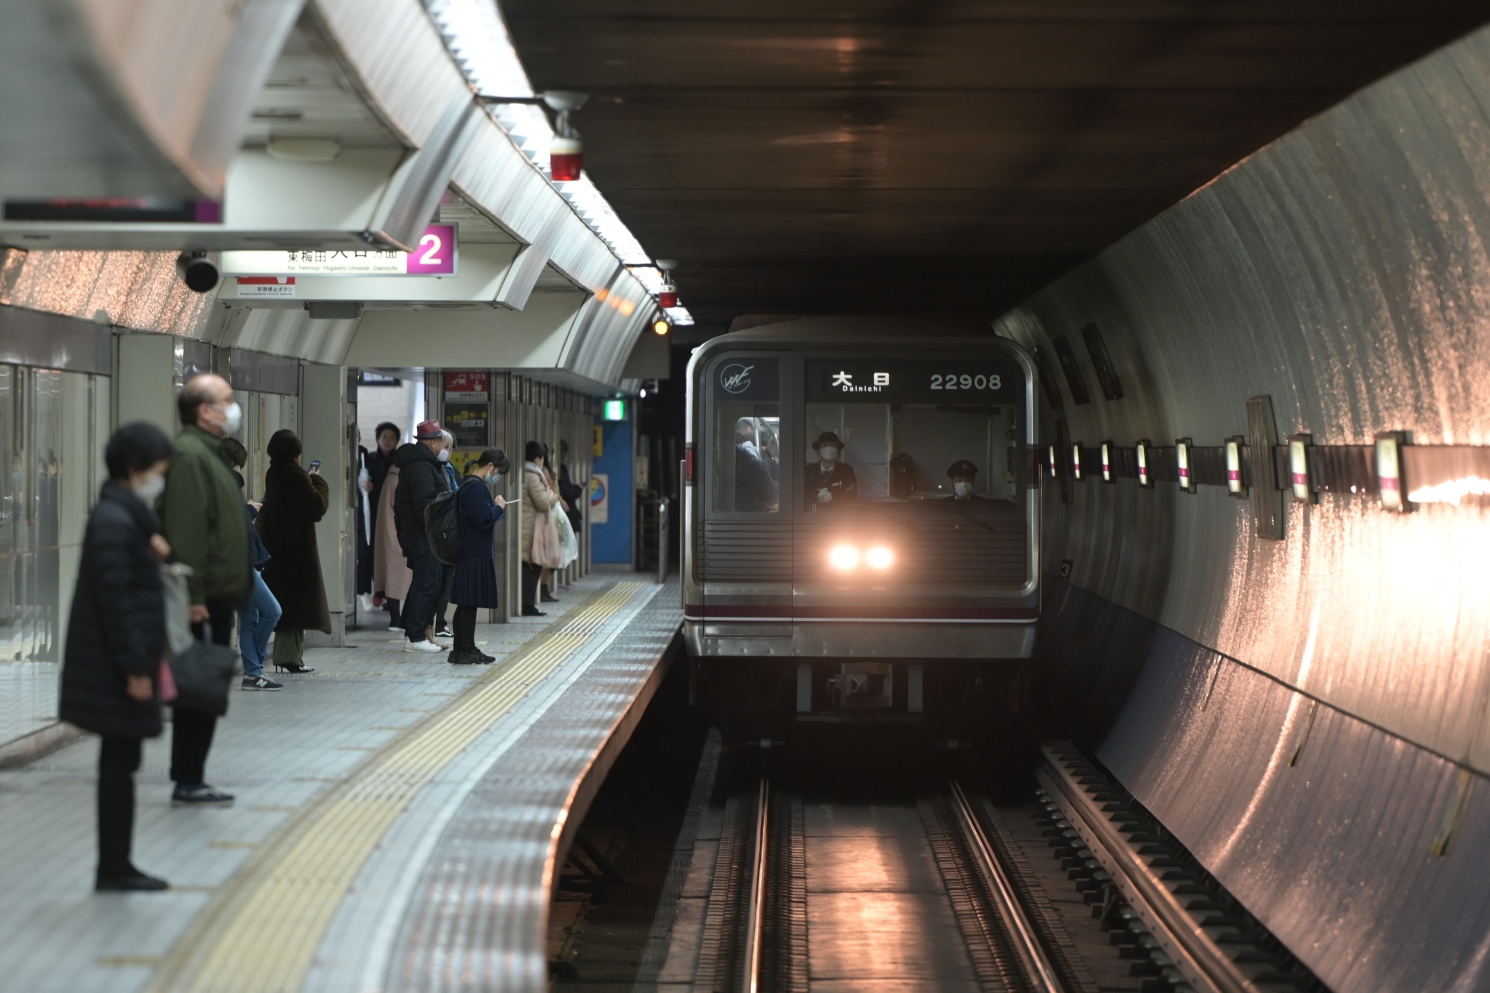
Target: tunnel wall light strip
(477, 39)
(1234, 484)
(1107, 476)
(1053, 462)
(1182, 465)
(1141, 453)
(1076, 460)
(1389, 475)
(1298, 467)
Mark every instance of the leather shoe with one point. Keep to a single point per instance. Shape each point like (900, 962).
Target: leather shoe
(132, 882)
(533, 612)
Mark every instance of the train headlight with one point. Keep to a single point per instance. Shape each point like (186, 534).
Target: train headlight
(880, 557)
(844, 558)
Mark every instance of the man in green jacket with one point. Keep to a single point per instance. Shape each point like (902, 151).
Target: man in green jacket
(202, 515)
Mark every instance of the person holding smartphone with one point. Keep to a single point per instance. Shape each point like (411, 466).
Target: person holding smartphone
(295, 499)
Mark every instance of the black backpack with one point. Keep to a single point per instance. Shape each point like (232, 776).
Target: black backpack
(442, 527)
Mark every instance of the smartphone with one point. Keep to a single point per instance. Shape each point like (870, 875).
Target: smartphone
(315, 466)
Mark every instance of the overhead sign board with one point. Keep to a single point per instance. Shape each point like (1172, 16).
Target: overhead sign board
(467, 385)
(436, 256)
(277, 287)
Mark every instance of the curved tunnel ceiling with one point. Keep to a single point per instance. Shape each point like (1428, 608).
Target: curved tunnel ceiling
(934, 156)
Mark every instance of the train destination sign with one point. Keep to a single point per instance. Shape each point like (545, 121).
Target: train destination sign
(945, 380)
(435, 256)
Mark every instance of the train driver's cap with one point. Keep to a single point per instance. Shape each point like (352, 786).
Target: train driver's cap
(962, 469)
(827, 438)
(427, 430)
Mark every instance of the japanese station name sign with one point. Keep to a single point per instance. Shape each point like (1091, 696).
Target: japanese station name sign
(435, 256)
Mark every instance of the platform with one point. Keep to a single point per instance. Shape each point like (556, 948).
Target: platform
(396, 825)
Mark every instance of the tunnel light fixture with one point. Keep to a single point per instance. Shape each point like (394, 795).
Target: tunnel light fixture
(1052, 461)
(880, 557)
(1389, 476)
(1234, 485)
(1298, 467)
(1076, 460)
(1141, 453)
(1182, 465)
(1107, 476)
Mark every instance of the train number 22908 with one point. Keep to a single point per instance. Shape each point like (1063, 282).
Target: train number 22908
(954, 381)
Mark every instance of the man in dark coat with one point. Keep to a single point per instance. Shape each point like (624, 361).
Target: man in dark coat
(202, 513)
(475, 583)
(116, 639)
(420, 480)
(294, 501)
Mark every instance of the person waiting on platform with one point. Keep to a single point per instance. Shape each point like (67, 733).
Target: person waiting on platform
(830, 481)
(475, 582)
(962, 473)
(295, 500)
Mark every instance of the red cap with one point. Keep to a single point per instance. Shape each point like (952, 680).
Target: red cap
(427, 430)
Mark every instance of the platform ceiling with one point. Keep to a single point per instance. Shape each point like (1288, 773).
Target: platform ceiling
(832, 156)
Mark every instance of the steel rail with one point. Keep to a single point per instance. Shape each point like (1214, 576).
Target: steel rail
(1022, 933)
(1182, 937)
(754, 922)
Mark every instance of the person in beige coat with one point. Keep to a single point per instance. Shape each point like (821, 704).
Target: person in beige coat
(537, 500)
(391, 572)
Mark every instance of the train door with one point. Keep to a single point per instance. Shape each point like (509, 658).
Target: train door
(745, 543)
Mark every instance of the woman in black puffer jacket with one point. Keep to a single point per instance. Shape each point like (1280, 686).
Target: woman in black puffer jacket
(116, 638)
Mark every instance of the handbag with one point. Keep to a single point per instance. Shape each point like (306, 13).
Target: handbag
(203, 674)
(568, 546)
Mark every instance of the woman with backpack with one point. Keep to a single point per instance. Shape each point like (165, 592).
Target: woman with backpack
(475, 583)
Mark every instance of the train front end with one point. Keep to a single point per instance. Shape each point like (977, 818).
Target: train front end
(862, 521)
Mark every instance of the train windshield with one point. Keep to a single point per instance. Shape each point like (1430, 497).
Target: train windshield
(922, 435)
(747, 419)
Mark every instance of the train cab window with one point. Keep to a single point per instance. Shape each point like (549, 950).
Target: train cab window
(747, 435)
(913, 438)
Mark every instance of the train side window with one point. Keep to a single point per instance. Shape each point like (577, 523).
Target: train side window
(747, 435)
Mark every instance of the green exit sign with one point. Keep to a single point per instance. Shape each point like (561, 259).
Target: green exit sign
(614, 410)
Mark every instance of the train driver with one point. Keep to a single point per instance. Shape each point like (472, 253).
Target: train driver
(962, 473)
(830, 481)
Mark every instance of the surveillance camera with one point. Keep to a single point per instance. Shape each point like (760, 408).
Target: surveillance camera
(198, 272)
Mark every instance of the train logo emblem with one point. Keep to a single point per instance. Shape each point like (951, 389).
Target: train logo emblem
(735, 378)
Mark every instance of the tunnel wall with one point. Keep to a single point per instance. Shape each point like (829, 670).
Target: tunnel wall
(1307, 715)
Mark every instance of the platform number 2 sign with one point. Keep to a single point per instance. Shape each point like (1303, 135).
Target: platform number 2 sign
(435, 254)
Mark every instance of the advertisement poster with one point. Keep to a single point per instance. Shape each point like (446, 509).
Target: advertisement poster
(600, 498)
(466, 407)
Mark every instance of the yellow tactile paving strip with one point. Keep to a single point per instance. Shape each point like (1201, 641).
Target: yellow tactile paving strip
(262, 933)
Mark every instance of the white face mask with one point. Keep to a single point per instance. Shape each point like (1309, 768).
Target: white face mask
(150, 488)
(232, 418)
(444, 455)
(828, 453)
(962, 488)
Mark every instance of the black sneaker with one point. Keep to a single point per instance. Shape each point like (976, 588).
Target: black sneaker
(445, 632)
(261, 683)
(134, 881)
(484, 659)
(201, 795)
(533, 612)
(460, 656)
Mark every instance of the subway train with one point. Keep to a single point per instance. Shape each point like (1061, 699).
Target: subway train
(861, 524)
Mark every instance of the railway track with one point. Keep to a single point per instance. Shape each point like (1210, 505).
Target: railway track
(1005, 933)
